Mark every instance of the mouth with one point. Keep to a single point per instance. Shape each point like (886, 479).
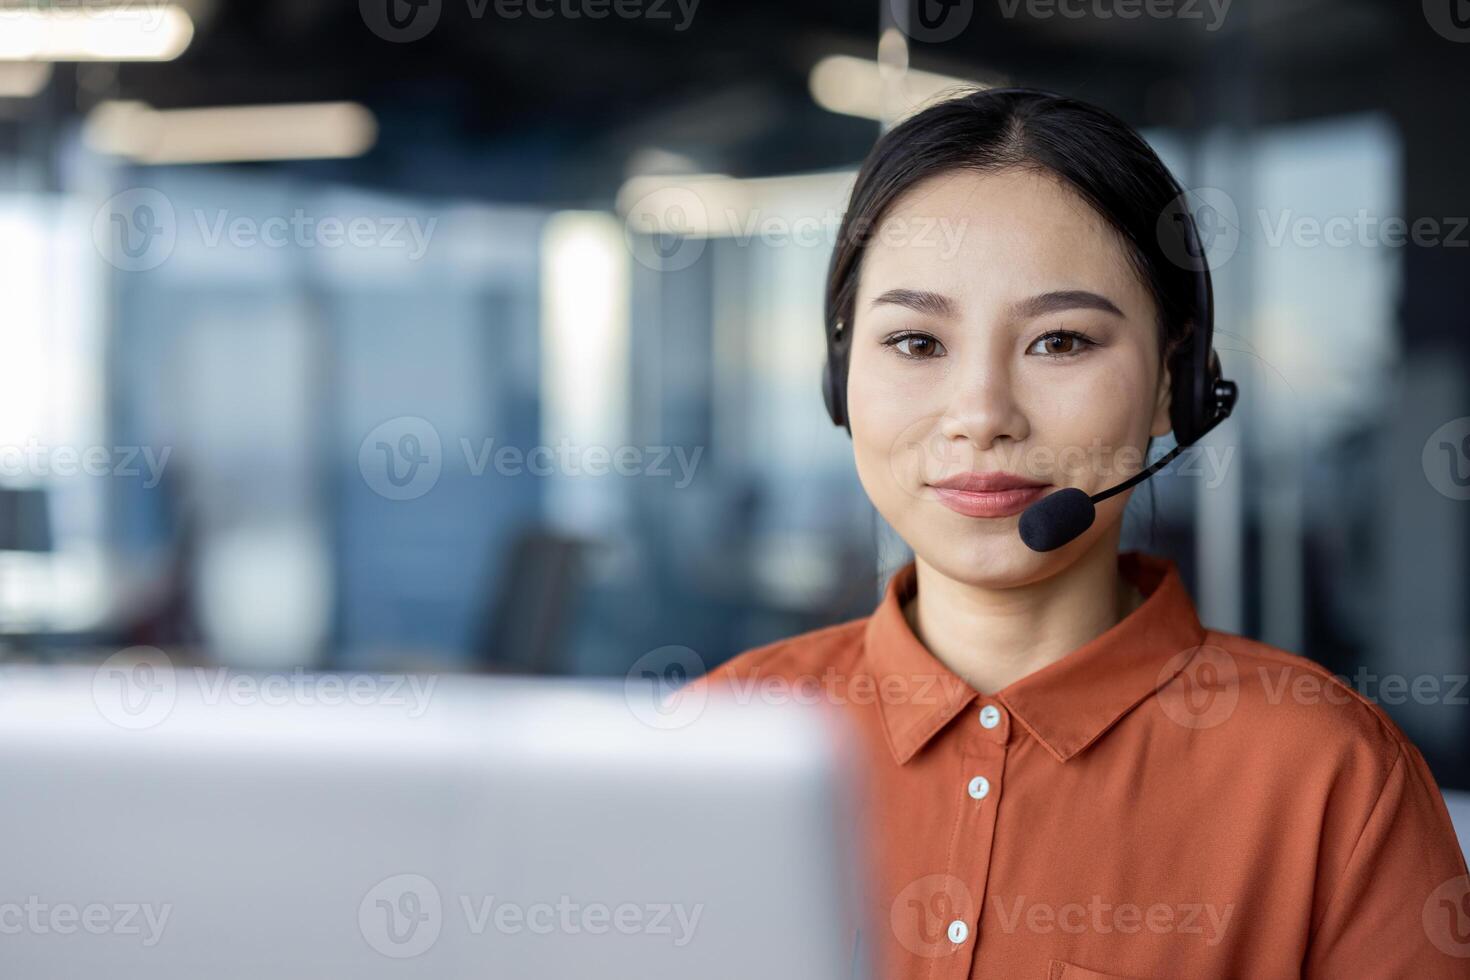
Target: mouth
(988, 495)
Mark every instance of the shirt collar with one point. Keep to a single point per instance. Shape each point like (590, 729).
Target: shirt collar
(1066, 705)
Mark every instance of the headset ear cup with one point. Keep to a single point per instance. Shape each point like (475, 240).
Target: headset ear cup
(828, 395)
(1191, 385)
(1194, 373)
(834, 380)
(1181, 392)
(832, 395)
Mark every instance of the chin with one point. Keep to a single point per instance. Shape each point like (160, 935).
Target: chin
(995, 558)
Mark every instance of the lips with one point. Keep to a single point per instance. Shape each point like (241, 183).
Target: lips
(988, 494)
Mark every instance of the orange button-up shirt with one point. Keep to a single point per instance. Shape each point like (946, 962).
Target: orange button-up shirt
(1164, 801)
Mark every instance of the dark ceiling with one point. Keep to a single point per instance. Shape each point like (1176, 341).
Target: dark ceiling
(536, 108)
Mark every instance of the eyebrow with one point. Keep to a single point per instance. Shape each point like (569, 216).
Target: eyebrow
(936, 304)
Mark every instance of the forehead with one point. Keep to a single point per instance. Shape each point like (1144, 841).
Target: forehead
(990, 238)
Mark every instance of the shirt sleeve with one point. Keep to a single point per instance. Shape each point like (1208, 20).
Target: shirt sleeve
(1401, 906)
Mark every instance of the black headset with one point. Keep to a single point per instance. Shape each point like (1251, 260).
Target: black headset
(1200, 398)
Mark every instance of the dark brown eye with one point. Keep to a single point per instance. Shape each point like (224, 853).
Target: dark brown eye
(1063, 343)
(916, 345)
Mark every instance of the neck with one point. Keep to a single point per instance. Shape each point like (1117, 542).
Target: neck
(993, 637)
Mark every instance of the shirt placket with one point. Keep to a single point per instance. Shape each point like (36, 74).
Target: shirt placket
(983, 739)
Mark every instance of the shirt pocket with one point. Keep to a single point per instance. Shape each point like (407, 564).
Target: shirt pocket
(1062, 970)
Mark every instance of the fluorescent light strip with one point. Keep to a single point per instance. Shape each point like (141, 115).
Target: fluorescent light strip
(721, 206)
(22, 80)
(855, 86)
(94, 33)
(232, 134)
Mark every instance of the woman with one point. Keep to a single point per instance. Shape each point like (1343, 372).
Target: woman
(1068, 775)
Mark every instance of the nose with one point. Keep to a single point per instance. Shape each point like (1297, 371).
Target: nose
(980, 402)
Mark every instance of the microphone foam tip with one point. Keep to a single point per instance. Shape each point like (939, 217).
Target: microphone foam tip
(1056, 519)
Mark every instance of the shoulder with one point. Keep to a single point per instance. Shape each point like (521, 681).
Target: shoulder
(1288, 704)
(1315, 761)
(1324, 775)
(811, 654)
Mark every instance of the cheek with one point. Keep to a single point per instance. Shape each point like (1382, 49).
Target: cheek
(884, 410)
(1086, 422)
(883, 389)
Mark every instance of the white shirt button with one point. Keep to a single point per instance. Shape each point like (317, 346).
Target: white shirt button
(979, 786)
(958, 931)
(989, 716)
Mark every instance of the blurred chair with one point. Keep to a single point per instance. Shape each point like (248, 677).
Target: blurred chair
(25, 520)
(526, 627)
(25, 526)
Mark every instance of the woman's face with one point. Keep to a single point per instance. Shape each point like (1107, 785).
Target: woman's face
(965, 360)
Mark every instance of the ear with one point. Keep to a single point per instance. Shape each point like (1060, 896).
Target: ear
(1162, 400)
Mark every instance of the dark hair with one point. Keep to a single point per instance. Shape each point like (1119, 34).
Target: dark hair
(1097, 154)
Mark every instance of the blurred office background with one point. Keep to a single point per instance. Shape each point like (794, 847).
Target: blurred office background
(273, 380)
